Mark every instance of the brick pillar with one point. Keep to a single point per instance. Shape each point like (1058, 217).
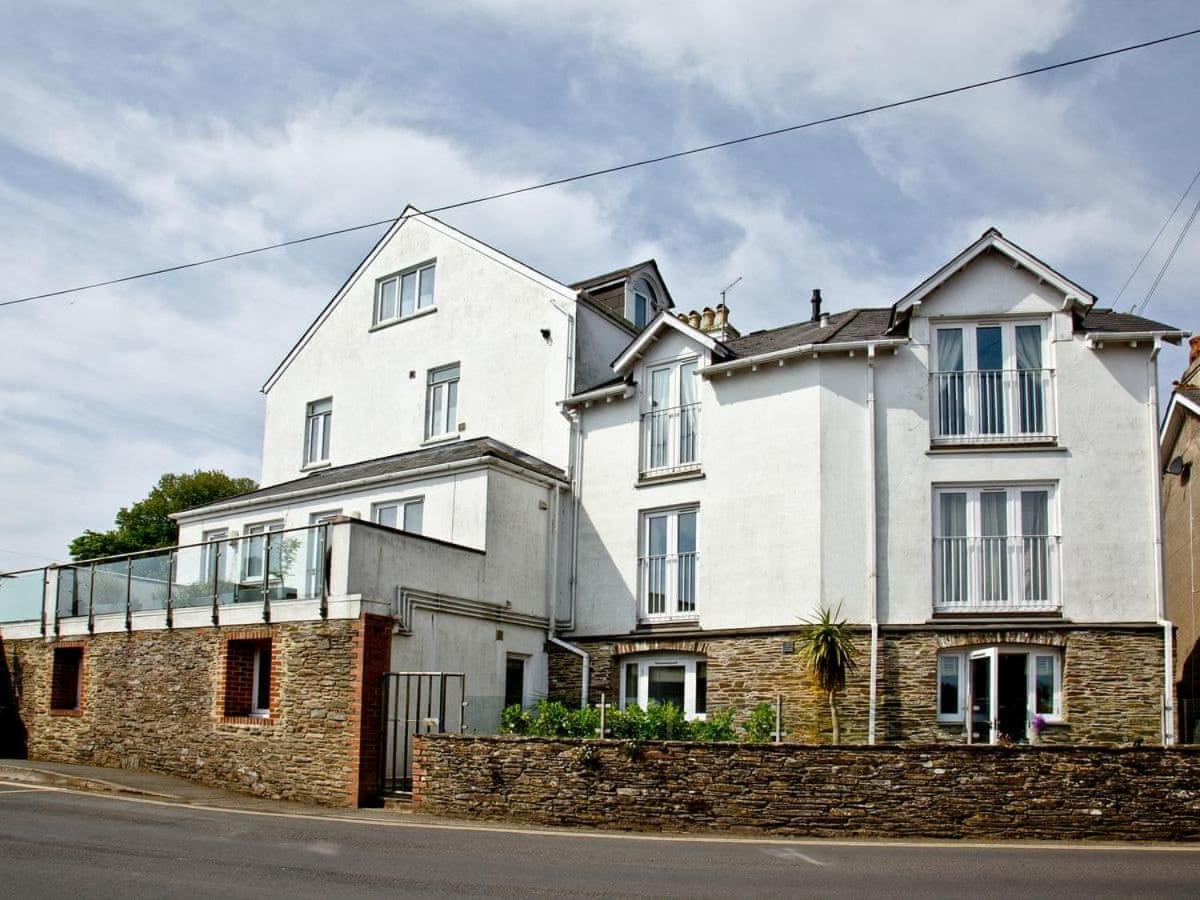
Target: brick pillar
(374, 660)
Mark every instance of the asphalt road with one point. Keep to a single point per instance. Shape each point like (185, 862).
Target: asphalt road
(59, 844)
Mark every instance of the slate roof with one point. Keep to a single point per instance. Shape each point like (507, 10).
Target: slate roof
(397, 464)
(1096, 319)
(848, 325)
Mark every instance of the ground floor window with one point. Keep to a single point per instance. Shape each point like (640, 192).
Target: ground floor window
(998, 692)
(679, 680)
(514, 680)
(66, 679)
(248, 678)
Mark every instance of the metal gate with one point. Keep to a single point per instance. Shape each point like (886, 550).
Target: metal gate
(416, 703)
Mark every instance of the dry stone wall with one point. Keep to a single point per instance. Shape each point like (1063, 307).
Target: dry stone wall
(932, 791)
(154, 700)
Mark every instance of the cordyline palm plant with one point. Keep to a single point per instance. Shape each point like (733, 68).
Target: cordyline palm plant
(827, 650)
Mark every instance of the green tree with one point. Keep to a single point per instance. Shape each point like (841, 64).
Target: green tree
(147, 524)
(827, 650)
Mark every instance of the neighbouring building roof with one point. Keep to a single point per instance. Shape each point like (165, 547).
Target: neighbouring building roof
(396, 464)
(848, 325)
(1095, 320)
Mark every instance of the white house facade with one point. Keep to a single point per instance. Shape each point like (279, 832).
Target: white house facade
(576, 491)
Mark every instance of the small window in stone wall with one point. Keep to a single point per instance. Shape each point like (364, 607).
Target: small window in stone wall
(249, 678)
(66, 679)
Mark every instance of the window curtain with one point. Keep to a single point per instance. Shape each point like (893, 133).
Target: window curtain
(688, 413)
(993, 514)
(952, 548)
(1031, 391)
(952, 417)
(1035, 545)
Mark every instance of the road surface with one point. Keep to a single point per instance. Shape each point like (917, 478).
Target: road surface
(56, 843)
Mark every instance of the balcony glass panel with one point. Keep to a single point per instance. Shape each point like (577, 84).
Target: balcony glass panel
(22, 596)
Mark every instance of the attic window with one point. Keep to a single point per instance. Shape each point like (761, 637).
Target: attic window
(404, 294)
(645, 303)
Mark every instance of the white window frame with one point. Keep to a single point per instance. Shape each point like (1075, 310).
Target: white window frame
(437, 416)
(314, 575)
(209, 542)
(401, 505)
(677, 425)
(258, 709)
(647, 661)
(994, 651)
(649, 294)
(255, 533)
(1013, 530)
(317, 431)
(671, 564)
(419, 271)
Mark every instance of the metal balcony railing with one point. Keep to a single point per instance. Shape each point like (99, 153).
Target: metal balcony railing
(670, 440)
(996, 574)
(667, 586)
(994, 406)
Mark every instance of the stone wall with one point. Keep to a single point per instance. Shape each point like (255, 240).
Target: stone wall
(155, 700)
(932, 791)
(1112, 680)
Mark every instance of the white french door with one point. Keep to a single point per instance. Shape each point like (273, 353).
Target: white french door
(670, 424)
(982, 695)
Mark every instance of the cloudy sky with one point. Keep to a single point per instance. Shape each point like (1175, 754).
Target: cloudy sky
(162, 133)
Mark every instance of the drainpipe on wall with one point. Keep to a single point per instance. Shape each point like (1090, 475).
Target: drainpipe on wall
(872, 552)
(1168, 704)
(553, 619)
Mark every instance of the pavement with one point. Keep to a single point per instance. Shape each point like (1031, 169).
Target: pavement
(160, 836)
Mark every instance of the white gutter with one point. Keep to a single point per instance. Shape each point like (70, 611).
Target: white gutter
(1097, 339)
(611, 392)
(778, 356)
(402, 475)
(1168, 703)
(872, 562)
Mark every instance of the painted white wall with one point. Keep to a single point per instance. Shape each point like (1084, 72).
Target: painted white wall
(782, 523)
(489, 315)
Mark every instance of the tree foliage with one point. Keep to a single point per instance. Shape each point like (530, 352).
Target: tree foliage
(147, 525)
(827, 650)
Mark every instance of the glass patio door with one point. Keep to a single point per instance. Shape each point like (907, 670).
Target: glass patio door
(981, 696)
(317, 538)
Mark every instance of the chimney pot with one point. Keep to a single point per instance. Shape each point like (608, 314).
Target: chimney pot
(706, 319)
(816, 304)
(1193, 349)
(722, 315)
(694, 319)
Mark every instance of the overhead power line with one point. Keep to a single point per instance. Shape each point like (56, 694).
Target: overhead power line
(841, 117)
(1166, 222)
(1170, 258)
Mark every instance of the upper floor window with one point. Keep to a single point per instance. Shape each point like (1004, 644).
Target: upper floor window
(441, 401)
(263, 548)
(671, 422)
(668, 564)
(212, 553)
(407, 515)
(990, 383)
(317, 421)
(995, 549)
(645, 303)
(404, 294)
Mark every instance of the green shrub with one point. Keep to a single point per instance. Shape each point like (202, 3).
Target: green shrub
(515, 720)
(717, 727)
(760, 726)
(550, 718)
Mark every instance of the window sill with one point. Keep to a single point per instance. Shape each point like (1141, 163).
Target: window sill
(942, 615)
(68, 713)
(441, 439)
(946, 449)
(668, 622)
(316, 466)
(379, 326)
(649, 479)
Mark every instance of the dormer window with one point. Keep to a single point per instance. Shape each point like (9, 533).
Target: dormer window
(404, 294)
(645, 303)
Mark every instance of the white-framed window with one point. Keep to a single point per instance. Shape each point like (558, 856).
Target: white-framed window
(999, 690)
(406, 515)
(671, 419)
(212, 554)
(257, 554)
(643, 302)
(666, 678)
(996, 547)
(441, 401)
(668, 563)
(318, 419)
(405, 293)
(260, 696)
(991, 382)
(318, 543)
